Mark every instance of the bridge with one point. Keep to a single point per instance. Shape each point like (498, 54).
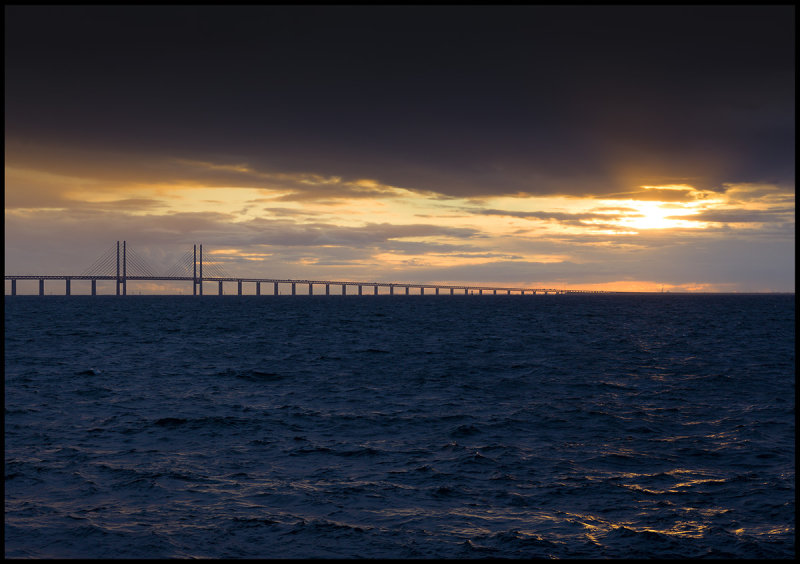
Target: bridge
(122, 264)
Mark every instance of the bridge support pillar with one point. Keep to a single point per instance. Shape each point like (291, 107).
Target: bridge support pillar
(275, 289)
(200, 282)
(124, 269)
(344, 289)
(359, 289)
(437, 291)
(14, 287)
(41, 286)
(310, 289)
(327, 289)
(239, 288)
(258, 288)
(480, 292)
(94, 287)
(407, 290)
(67, 288)
(421, 291)
(293, 289)
(220, 287)
(451, 291)
(375, 290)
(391, 290)
(508, 292)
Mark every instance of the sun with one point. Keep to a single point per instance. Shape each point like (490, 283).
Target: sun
(658, 215)
(650, 215)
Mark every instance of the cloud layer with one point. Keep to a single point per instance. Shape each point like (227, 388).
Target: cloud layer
(515, 144)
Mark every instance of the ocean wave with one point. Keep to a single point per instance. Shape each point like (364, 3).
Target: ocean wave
(568, 428)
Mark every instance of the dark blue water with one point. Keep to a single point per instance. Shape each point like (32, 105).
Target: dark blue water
(405, 426)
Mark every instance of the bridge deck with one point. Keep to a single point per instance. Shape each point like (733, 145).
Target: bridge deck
(275, 280)
(191, 265)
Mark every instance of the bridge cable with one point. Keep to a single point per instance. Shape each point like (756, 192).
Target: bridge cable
(140, 266)
(183, 267)
(105, 265)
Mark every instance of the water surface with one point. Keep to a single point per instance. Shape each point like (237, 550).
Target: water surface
(594, 426)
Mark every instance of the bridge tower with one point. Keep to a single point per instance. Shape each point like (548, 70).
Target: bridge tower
(197, 281)
(124, 271)
(122, 280)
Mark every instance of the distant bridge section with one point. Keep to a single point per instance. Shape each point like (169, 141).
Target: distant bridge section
(121, 264)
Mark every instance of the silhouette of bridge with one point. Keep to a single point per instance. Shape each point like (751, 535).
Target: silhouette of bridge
(121, 264)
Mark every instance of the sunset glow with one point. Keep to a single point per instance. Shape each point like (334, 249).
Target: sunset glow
(351, 186)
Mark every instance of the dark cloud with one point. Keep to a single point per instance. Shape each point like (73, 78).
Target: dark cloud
(289, 212)
(777, 215)
(105, 170)
(463, 101)
(129, 204)
(288, 233)
(561, 217)
(655, 195)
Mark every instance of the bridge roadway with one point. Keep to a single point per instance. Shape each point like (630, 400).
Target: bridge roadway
(197, 284)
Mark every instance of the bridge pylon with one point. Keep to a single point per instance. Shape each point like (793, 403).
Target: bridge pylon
(197, 281)
(122, 281)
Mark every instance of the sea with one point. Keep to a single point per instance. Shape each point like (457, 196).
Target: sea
(559, 426)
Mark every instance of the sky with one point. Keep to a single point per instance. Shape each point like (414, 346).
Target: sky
(575, 147)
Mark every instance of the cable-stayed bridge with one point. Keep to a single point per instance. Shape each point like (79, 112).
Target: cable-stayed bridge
(121, 264)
